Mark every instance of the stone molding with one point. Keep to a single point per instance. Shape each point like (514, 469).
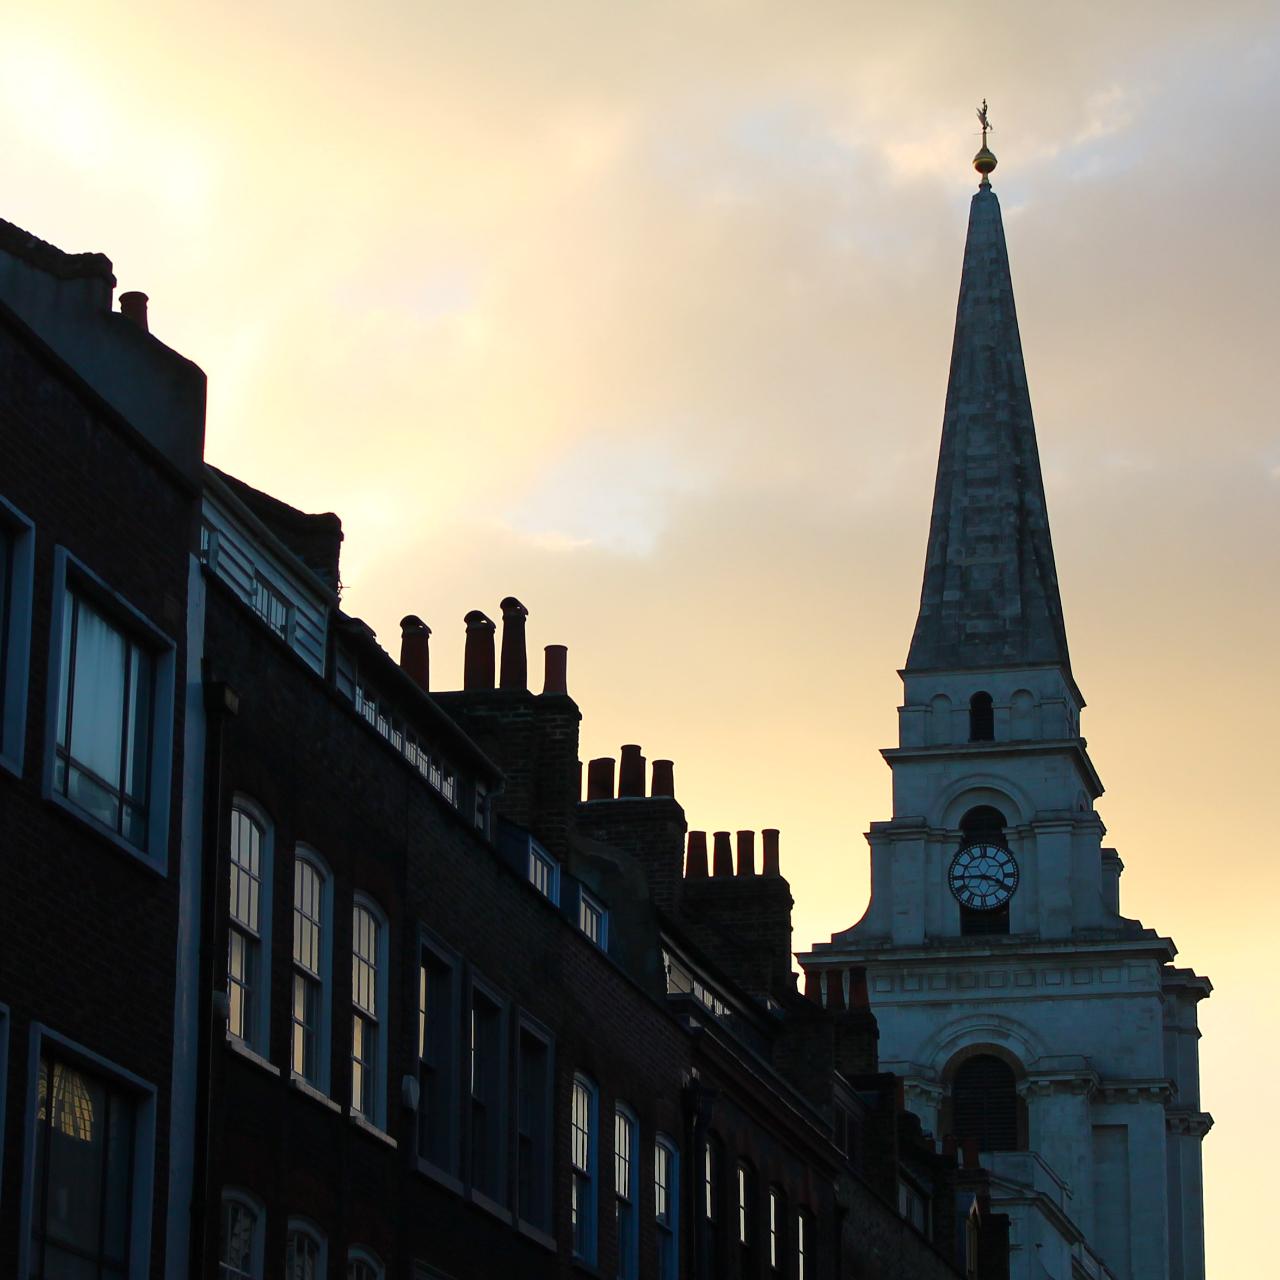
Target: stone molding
(1188, 1124)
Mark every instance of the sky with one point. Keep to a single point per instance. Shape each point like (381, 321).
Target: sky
(642, 313)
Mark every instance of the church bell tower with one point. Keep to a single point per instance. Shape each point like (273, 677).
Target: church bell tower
(1033, 1023)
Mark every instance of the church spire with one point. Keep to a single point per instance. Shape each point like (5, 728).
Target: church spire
(990, 595)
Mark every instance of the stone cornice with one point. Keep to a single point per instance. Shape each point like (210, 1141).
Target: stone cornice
(1187, 1123)
(1076, 748)
(1017, 948)
(1153, 1089)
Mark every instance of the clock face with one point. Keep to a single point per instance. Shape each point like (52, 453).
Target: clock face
(983, 876)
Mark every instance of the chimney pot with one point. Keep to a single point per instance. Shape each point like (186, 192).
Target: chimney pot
(415, 650)
(477, 662)
(556, 671)
(514, 672)
(631, 772)
(133, 306)
(746, 853)
(723, 854)
(600, 778)
(770, 839)
(664, 779)
(695, 867)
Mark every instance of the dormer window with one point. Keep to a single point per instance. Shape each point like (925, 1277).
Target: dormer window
(982, 718)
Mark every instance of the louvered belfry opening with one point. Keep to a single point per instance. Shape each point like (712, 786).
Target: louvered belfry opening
(982, 718)
(984, 1103)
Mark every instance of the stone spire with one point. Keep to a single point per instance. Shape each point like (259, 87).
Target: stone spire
(990, 595)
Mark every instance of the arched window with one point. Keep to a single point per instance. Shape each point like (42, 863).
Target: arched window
(982, 718)
(312, 943)
(305, 1256)
(984, 1103)
(240, 1251)
(362, 1264)
(626, 1188)
(368, 1012)
(583, 1141)
(249, 926)
(666, 1205)
(983, 824)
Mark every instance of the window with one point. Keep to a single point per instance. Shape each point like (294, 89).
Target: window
(112, 710)
(533, 1127)
(305, 1256)
(625, 1192)
(777, 1221)
(87, 1198)
(711, 1166)
(592, 919)
(437, 1056)
(746, 1207)
(240, 1251)
(487, 1069)
(312, 913)
(666, 1206)
(544, 872)
(913, 1205)
(984, 1103)
(272, 608)
(17, 546)
(249, 926)
(804, 1245)
(363, 1265)
(368, 1013)
(982, 718)
(583, 1159)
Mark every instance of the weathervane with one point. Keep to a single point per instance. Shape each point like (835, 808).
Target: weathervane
(984, 161)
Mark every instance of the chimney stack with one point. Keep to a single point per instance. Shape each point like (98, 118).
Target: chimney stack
(477, 662)
(664, 779)
(133, 306)
(556, 677)
(772, 867)
(746, 853)
(515, 664)
(631, 773)
(600, 779)
(722, 863)
(695, 867)
(415, 651)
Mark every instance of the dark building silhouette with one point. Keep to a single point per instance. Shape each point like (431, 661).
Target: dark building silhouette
(310, 968)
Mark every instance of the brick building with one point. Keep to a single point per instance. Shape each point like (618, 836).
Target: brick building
(355, 977)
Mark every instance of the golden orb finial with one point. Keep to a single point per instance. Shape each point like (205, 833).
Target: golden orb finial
(985, 160)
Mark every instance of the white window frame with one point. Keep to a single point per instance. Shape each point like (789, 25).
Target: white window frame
(238, 1195)
(144, 1146)
(258, 1039)
(140, 629)
(381, 984)
(804, 1247)
(540, 860)
(15, 644)
(777, 1221)
(746, 1227)
(669, 1228)
(358, 1253)
(589, 1173)
(628, 1248)
(588, 905)
(324, 1013)
(304, 1226)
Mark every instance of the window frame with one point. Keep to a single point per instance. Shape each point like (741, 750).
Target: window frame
(248, 1200)
(324, 1003)
(361, 1253)
(540, 858)
(804, 1244)
(381, 1018)
(446, 1061)
(668, 1230)
(300, 1225)
(585, 1176)
(16, 611)
(144, 1146)
(259, 1041)
(500, 1123)
(544, 1160)
(777, 1230)
(628, 1239)
(72, 576)
(588, 902)
(748, 1227)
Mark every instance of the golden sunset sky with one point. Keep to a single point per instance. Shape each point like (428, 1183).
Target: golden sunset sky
(642, 313)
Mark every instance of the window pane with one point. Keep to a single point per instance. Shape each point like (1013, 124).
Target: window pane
(307, 890)
(364, 961)
(97, 692)
(239, 1223)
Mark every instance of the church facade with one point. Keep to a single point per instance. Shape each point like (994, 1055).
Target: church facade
(1033, 1022)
